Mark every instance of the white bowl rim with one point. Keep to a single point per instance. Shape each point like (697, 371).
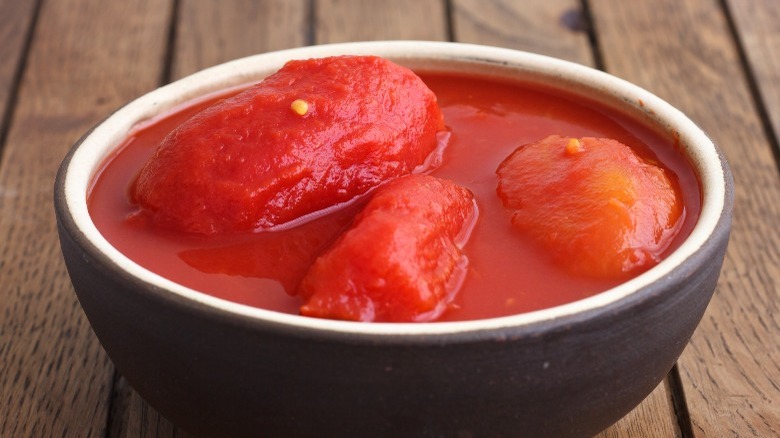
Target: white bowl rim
(90, 152)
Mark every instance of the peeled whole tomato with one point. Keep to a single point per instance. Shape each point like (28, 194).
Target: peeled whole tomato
(317, 133)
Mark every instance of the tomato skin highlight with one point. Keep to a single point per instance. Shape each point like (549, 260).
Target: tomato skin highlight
(592, 203)
(317, 133)
(401, 261)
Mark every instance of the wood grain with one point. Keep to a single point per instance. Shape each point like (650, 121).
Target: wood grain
(210, 32)
(16, 19)
(684, 52)
(555, 27)
(87, 57)
(358, 20)
(758, 28)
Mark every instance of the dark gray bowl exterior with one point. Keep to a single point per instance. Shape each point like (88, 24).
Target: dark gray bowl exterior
(220, 374)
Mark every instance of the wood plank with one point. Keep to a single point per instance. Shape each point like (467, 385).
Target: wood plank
(684, 52)
(87, 57)
(16, 19)
(554, 27)
(758, 29)
(210, 33)
(359, 20)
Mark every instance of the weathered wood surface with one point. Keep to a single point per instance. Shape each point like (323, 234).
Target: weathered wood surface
(86, 58)
(16, 19)
(338, 21)
(555, 28)
(715, 60)
(757, 27)
(209, 32)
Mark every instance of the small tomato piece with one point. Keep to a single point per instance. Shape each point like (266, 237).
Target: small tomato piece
(593, 203)
(400, 261)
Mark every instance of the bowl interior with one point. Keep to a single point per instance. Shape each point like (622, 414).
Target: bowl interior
(708, 164)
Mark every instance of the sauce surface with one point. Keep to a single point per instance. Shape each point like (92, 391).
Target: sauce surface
(488, 119)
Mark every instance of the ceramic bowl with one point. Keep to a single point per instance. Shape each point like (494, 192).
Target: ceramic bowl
(217, 368)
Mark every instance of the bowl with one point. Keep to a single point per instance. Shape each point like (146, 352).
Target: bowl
(218, 368)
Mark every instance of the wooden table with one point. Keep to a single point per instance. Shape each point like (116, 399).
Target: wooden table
(66, 64)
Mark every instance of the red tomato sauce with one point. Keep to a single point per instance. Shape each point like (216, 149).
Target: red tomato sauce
(487, 118)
